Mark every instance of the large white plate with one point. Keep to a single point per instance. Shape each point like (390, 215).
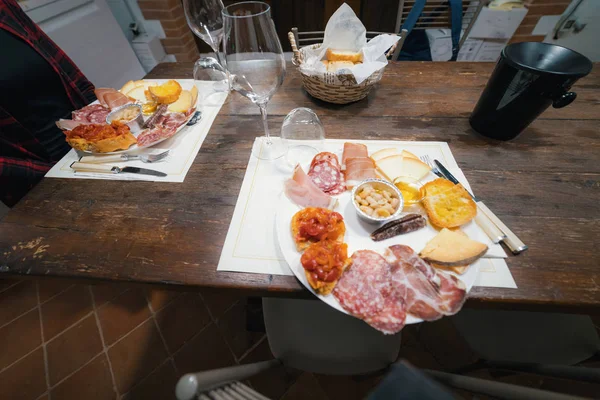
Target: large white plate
(358, 238)
(134, 147)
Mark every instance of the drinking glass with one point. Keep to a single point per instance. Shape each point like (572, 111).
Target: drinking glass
(255, 62)
(304, 135)
(205, 19)
(212, 82)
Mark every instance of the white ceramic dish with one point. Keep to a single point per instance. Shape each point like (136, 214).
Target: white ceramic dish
(133, 148)
(358, 238)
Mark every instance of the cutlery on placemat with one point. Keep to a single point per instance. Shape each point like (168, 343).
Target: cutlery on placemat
(87, 167)
(486, 224)
(512, 241)
(194, 120)
(147, 158)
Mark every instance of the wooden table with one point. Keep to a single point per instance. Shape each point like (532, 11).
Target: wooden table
(545, 185)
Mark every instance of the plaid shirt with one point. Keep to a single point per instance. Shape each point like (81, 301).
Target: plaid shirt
(23, 159)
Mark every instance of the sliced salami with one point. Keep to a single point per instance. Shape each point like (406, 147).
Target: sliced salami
(393, 316)
(338, 189)
(98, 117)
(325, 175)
(83, 113)
(326, 156)
(362, 289)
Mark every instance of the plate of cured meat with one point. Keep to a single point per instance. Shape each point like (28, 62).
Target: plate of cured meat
(141, 114)
(345, 231)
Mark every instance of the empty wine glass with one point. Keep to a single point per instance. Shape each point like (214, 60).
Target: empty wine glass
(255, 61)
(205, 19)
(304, 135)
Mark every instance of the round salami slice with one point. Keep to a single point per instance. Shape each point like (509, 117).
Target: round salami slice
(364, 286)
(98, 117)
(338, 189)
(393, 316)
(326, 156)
(325, 175)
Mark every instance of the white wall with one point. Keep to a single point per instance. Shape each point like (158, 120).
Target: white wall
(88, 32)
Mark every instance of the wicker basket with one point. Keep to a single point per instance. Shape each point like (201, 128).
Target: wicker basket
(327, 87)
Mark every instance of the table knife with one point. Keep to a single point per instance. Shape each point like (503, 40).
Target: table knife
(511, 240)
(86, 167)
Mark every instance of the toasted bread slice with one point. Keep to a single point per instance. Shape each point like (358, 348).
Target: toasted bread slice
(447, 205)
(301, 245)
(336, 252)
(344, 55)
(452, 249)
(166, 93)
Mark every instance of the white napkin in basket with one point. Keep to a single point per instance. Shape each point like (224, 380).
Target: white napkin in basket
(344, 31)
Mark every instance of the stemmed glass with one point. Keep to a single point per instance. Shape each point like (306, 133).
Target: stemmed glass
(205, 19)
(255, 61)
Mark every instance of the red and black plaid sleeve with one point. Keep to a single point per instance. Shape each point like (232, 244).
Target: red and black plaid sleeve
(23, 160)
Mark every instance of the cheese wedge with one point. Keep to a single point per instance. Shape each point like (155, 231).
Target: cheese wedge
(128, 87)
(137, 93)
(183, 103)
(194, 92)
(450, 248)
(383, 153)
(408, 154)
(394, 166)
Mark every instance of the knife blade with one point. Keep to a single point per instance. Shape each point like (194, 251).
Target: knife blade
(511, 240)
(86, 167)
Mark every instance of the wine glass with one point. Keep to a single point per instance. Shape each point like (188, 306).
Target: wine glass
(255, 62)
(205, 19)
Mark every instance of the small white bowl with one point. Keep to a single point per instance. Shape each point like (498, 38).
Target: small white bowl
(378, 184)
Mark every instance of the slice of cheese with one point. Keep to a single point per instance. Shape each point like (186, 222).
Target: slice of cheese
(183, 103)
(194, 92)
(450, 249)
(408, 154)
(128, 87)
(378, 155)
(138, 94)
(414, 168)
(396, 165)
(390, 167)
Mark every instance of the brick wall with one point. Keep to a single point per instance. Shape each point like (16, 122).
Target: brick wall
(179, 39)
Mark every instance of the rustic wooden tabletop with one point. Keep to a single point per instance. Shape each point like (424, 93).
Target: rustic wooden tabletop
(545, 185)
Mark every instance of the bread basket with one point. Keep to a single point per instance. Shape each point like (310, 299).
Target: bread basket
(337, 89)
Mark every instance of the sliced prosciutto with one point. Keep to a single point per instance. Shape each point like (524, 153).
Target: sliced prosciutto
(429, 294)
(358, 169)
(116, 99)
(302, 191)
(164, 127)
(353, 150)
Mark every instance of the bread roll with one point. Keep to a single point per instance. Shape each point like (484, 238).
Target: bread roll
(344, 55)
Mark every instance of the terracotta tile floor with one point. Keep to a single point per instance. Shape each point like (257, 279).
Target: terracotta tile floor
(60, 340)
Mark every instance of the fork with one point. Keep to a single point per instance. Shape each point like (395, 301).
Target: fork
(433, 167)
(145, 158)
(485, 223)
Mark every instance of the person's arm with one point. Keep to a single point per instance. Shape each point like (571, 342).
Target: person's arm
(18, 176)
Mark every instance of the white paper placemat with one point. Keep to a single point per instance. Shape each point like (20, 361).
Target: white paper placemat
(184, 146)
(251, 245)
